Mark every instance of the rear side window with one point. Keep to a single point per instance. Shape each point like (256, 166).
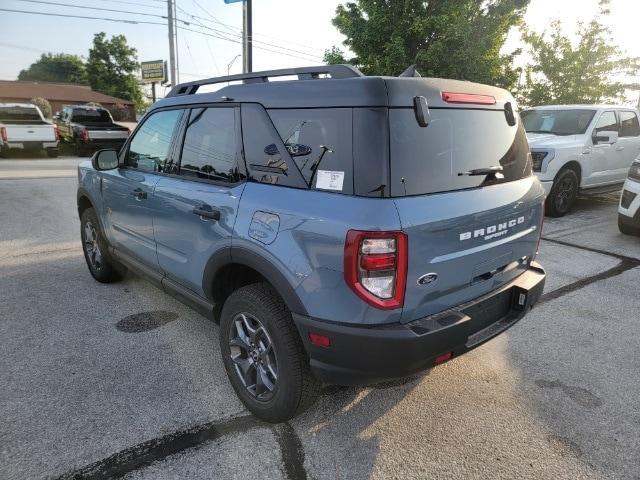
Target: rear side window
(320, 142)
(437, 158)
(629, 126)
(209, 148)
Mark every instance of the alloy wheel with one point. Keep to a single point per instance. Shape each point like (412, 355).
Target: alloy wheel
(253, 356)
(92, 247)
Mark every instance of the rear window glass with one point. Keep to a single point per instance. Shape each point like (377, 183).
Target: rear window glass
(320, 142)
(87, 115)
(439, 157)
(11, 114)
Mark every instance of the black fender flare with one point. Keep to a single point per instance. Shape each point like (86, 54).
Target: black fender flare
(255, 261)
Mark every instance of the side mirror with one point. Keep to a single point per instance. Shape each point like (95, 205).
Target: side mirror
(421, 110)
(605, 137)
(105, 159)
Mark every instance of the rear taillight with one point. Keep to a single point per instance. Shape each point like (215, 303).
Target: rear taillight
(84, 135)
(375, 267)
(451, 97)
(3, 134)
(56, 132)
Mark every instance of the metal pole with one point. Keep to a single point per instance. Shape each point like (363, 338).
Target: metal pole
(153, 91)
(247, 34)
(172, 51)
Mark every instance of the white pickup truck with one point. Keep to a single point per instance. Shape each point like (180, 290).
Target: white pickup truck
(22, 126)
(581, 149)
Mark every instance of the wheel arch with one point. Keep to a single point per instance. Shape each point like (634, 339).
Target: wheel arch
(571, 165)
(230, 269)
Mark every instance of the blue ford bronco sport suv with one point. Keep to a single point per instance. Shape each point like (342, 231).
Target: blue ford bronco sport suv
(342, 229)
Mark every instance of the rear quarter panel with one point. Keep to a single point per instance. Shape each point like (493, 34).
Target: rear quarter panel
(308, 248)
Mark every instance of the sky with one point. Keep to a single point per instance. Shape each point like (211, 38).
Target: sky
(288, 33)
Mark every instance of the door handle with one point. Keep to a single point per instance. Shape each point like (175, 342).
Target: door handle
(207, 212)
(139, 194)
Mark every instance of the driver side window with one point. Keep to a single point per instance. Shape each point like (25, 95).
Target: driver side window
(606, 123)
(149, 148)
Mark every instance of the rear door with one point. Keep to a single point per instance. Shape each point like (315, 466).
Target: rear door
(196, 206)
(467, 234)
(628, 147)
(128, 189)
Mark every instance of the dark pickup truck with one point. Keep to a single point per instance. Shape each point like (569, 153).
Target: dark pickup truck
(89, 128)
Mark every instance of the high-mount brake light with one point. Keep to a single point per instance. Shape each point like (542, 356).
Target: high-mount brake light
(452, 97)
(375, 267)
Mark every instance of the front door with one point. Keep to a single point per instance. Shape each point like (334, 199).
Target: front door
(128, 189)
(602, 154)
(196, 209)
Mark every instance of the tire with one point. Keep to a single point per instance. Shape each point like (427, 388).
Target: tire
(100, 263)
(260, 314)
(627, 229)
(52, 152)
(563, 193)
(4, 152)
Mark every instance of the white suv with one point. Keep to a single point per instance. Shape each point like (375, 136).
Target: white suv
(581, 149)
(629, 209)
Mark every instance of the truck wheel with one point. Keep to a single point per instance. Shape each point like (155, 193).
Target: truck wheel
(627, 229)
(52, 152)
(4, 152)
(263, 354)
(563, 193)
(101, 265)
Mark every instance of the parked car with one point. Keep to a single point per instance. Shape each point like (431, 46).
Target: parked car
(629, 209)
(342, 230)
(581, 149)
(89, 128)
(23, 127)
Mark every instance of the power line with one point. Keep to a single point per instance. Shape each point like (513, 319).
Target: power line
(92, 8)
(240, 41)
(235, 30)
(48, 14)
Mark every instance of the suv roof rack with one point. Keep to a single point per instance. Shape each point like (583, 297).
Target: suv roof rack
(303, 73)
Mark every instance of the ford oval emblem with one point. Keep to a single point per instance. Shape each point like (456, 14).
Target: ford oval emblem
(427, 278)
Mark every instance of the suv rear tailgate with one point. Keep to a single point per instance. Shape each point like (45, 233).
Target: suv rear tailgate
(471, 241)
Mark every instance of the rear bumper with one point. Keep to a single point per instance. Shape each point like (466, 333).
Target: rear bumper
(360, 355)
(31, 145)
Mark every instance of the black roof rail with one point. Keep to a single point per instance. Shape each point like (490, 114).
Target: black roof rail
(303, 73)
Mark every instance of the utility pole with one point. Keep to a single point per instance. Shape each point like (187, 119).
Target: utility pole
(247, 37)
(172, 50)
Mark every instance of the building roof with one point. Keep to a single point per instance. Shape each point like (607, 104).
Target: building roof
(58, 92)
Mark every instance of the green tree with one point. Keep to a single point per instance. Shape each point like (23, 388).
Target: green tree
(445, 38)
(334, 56)
(44, 106)
(58, 67)
(591, 70)
(112, 66)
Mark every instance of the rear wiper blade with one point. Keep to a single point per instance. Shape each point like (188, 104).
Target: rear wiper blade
(495, 170)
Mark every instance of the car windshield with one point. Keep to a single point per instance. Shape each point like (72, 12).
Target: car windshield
(10, 114)
(557, 122)
(86, 115)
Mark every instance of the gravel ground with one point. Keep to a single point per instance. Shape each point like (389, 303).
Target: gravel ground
(107, 380)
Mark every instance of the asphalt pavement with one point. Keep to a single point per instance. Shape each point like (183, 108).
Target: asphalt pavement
(99, 381)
